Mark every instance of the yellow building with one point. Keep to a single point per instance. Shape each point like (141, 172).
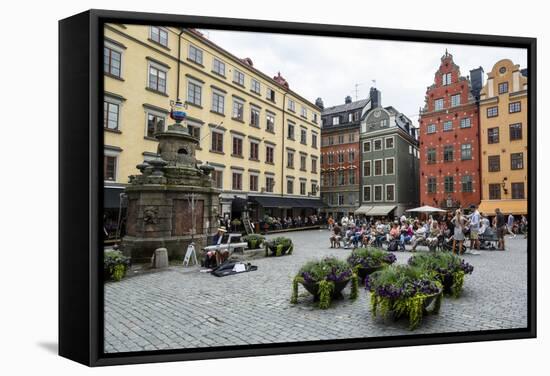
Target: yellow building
(504, 132)
(261, 137)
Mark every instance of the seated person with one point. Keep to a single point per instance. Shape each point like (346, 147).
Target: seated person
(219, 255)
(405, 236)
(335, 236)
(418, 237)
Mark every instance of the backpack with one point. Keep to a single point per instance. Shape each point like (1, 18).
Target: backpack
(393, 246)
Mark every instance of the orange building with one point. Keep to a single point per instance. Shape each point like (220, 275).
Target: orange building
(504, 132)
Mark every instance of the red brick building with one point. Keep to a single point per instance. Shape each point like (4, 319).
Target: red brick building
(449, 138)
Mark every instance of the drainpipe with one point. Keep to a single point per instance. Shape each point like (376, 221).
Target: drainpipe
(179, 63)
(283, 148)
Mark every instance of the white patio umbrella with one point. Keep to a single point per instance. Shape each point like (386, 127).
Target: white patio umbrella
(426, 209)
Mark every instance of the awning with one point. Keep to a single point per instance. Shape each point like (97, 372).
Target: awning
(363, 209)
(111, 197)
(286, 202)
(488, 207)
(381, 210)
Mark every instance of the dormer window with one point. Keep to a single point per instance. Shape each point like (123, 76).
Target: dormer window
(336, 120)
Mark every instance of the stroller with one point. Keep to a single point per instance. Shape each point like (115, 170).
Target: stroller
(488, 240)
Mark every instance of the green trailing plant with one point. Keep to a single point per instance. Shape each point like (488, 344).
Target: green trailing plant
(324, 278)
(279, 246)
(354, 287)
(115, 265)
(447, 268)
(325, 292)
(404, 291)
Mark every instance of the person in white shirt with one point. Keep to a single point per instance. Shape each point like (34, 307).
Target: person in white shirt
(344, 221)
(475, 218)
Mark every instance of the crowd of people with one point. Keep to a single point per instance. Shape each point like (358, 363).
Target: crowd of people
(278, 223)
(447, 231)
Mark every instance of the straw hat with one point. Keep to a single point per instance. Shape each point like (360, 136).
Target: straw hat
(222, 229)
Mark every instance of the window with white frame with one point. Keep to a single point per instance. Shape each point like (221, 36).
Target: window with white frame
(446, 79)
(390, 192)
(255, 116)
(270, 94)
(390, 166)
(290, 186)
(438, 104)
(255, 86)
(378, 192)
(465, 123)
(237, 150)
(455, 100)
(157, 77)
(110, 164)
(238, 109)
(218, 102)
(466, 152)
(270, 122)
(447, 125)
(431, 128)
(313, 165)
(194, 92)
(367, 193)
(366, 146)
(217, 141)
(194, 129)
(253, 182)
(378, 167)
(303, 136)
(155, 123)
(254, 150)
(111, 113)
(335, 120)
(389, 142)
(304, 111)
(290, 159)
(237, 181)
(218, 67)
(303, 159)
(377, 144)
(303, 187)
(112, 59)
(217, 177)
(195, 54)
(269, 184)
(291, 105)
(313, 139)
(238, 77)
(159, 35)
(367, 168)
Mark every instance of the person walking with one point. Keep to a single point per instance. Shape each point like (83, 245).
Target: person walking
(510, 225)
(459, 223)
(475, 220)
(330, 223)
(500, 224)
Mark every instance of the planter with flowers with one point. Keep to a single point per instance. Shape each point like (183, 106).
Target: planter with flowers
(325, 279)
(447, 268)
(254, 241)
(278, 246)
(399, 290)
(115, 265)
(365, 261)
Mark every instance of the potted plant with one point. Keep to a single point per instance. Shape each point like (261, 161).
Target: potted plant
(115, 265)
(279, 246)
(365, 261)
(236, 223)
(447, 268)
(254, 241)
(325, 279)
(403, 290)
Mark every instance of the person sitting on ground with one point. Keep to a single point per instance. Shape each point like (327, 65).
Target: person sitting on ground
(335, 236)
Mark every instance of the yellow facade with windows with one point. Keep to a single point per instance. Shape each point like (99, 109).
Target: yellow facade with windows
(141, 78)
(504, 131)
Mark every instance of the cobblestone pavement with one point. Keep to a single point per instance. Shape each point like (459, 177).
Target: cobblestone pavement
(182, 308)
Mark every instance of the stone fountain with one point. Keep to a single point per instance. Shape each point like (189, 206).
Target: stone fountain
(172, 202)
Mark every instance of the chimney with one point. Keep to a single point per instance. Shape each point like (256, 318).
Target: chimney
(476, 79)
(347, 100)
(319, 103)
(375, 97)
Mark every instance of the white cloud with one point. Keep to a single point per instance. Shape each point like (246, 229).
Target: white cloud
(329, 67)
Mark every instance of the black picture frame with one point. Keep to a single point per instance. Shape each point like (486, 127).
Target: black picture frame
(80, 193)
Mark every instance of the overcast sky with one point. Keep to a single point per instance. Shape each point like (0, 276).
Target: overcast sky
(330, 67)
